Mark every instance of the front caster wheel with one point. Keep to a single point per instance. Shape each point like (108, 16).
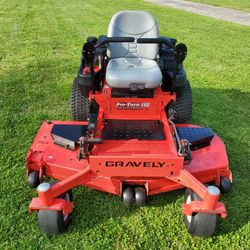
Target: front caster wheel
(33, 179)
(199, 224)
(140, 196)
(53, 221)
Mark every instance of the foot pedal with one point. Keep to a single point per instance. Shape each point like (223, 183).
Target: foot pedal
(197, 137)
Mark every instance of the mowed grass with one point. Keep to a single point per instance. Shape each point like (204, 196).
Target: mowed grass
(234, 4)
(41, 44)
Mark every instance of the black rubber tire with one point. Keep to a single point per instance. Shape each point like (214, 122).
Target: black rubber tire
(183, 105)
(199, 224)
(79, 104)
(33, 179)
(140, 196)
(55, 222)
(128, 196)
(225, 185)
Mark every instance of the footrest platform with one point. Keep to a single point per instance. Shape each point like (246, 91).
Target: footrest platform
(197, 137)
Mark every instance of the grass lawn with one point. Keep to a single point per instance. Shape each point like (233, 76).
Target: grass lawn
(234, 4)
(41, 43)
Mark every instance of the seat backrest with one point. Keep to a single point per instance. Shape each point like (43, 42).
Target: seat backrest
(138, 24)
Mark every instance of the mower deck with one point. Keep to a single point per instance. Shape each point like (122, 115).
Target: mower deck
(154, 164)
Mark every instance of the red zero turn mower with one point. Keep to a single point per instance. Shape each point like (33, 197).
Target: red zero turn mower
(131, 104)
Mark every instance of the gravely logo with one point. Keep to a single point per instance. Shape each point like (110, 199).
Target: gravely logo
(132, 105)
(134, 164)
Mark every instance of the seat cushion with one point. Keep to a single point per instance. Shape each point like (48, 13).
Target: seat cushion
(138, 24)
(133, 73)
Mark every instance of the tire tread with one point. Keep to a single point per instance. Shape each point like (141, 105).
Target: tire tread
(79, 104)
(183, 106)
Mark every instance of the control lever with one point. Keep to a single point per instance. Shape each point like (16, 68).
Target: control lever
(86, 145)
(93, 115)
(93, 141)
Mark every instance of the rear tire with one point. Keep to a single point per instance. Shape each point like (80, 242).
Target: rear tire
(199, 224)
(79, 104)
(183, 105)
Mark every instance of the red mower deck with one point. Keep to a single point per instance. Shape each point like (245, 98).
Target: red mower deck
(155, 166)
